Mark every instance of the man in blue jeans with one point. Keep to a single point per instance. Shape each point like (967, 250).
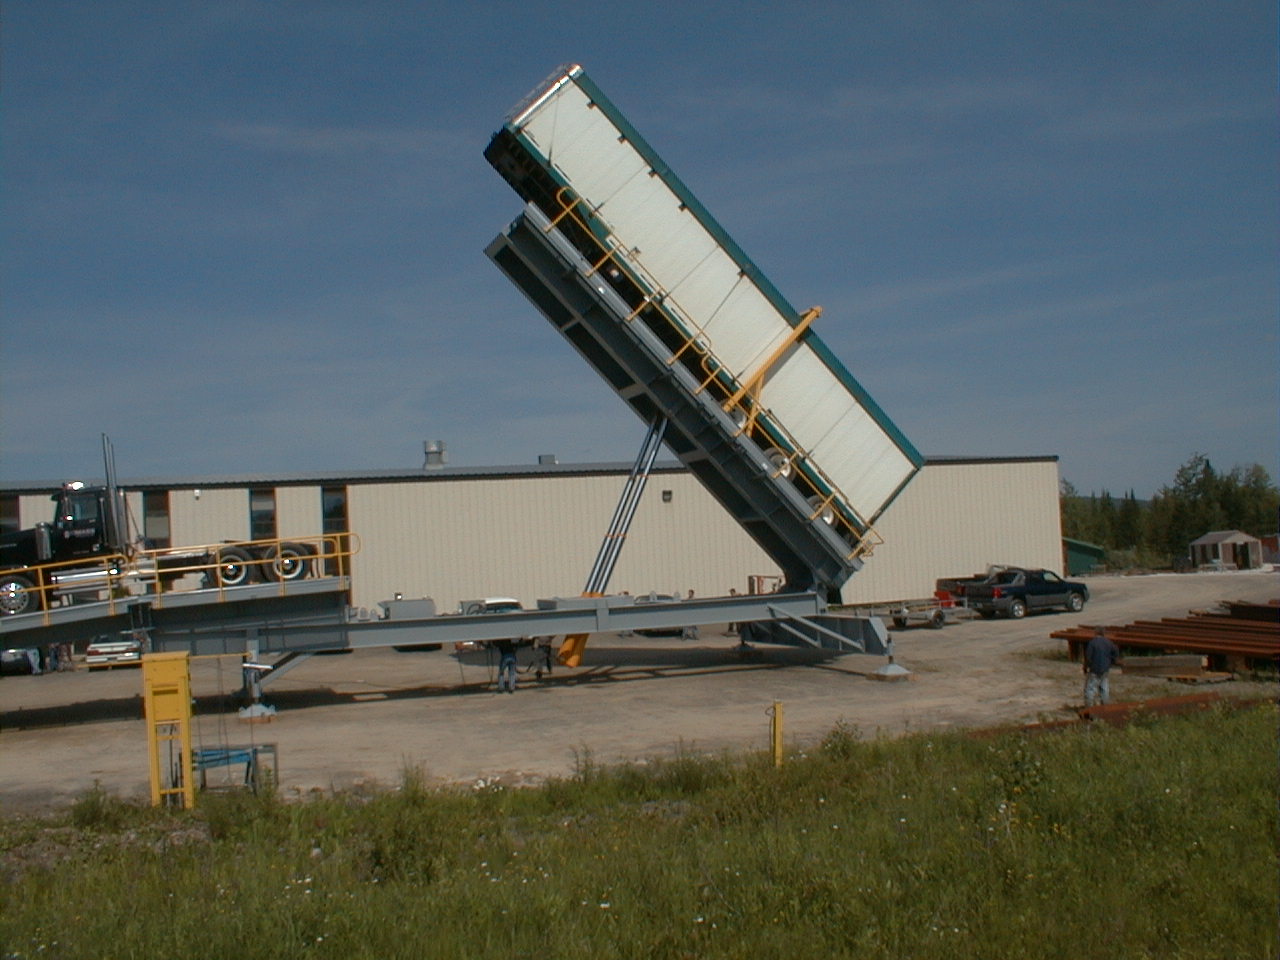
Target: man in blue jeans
(1100, 654)
(506, 665)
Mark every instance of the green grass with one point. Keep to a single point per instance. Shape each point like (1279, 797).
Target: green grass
(1157, 840)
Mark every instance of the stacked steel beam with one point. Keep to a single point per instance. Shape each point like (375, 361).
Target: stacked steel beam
(1235, 639)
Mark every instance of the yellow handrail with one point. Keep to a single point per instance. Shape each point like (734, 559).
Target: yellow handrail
(150, 569)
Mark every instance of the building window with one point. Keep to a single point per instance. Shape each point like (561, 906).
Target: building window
(155, 518)
(262, 514)
(333, 506)
(9, 522)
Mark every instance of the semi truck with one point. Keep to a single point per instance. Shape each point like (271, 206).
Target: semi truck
(86, 550)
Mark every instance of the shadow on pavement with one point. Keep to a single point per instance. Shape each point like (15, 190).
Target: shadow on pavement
(605, 665)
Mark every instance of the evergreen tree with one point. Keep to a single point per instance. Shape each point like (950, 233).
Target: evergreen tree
(1128, 526)
(1199, 500)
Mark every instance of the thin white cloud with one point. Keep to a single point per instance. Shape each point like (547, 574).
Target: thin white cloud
(344, 143)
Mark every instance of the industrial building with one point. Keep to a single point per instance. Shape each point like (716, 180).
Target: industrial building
(454, 533)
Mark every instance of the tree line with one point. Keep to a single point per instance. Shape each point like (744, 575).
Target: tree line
(1158, 532)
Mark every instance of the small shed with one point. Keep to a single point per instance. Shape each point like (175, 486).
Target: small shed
(1227, 550)
(1081, 557)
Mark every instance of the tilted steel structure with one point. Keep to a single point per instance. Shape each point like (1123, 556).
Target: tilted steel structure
(638, 276)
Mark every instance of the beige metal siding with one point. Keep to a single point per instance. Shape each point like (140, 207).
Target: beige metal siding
(211, 517)
(34, 509)
(955, 520)
(298, 511)
(533, 537)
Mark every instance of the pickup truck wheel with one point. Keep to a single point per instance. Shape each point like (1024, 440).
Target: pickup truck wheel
(286, 562)
(1075, 603)
(235, 567)
(17, 595)
(1017, 609)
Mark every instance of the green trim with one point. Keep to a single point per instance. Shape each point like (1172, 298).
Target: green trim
(745, 264)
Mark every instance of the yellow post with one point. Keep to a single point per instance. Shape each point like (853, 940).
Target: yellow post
(775, 731)
(166, 681)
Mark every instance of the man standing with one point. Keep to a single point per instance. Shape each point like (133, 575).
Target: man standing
(506, 665)
(1100, 654)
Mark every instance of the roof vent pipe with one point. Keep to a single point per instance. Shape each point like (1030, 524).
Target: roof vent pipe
(434, 456)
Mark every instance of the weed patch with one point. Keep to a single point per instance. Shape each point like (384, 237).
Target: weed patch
(930, 845)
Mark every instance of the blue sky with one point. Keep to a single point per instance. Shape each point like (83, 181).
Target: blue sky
(248, 237)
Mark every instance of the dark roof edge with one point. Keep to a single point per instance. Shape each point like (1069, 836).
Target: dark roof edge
(953, 461)
(410, 475)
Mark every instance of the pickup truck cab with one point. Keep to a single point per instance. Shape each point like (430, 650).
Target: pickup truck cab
(1014, 592)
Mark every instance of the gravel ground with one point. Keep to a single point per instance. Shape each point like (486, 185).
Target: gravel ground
(364, 718)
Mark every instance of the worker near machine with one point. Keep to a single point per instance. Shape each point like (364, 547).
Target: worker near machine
(506, 665)
(542, 655)
(1100, 654)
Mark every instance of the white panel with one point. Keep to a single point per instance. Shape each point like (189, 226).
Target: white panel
(742, 326)
(675, 250)
(562, 121)
(647, 217)
(583, 144)
(862, 460)
(746, 329)
(839, 434)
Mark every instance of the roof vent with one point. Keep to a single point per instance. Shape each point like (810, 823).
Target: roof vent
(434, 456)
(547, 459)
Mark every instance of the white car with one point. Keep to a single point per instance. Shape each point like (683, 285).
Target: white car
(105, 653)
(484, 605)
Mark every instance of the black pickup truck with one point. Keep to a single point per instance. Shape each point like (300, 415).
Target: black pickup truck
(1015, 591)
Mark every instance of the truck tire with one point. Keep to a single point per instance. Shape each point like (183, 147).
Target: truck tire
(824, 513)
(937, 620)
(17, 595)
(286, 562)
(235, 567)
(1017, 609)
(779, 462)
(1075, 603)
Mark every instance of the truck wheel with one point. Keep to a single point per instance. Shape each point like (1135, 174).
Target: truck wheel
(937, 620)
(235, 567)
(779, 462)
(286, 562)
(17, 595)
(1017, 609)
(825, 512)
(1075, 603)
